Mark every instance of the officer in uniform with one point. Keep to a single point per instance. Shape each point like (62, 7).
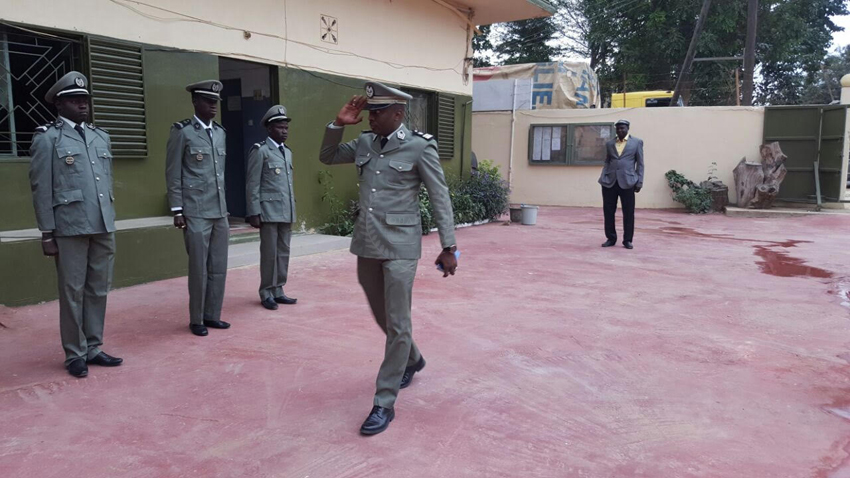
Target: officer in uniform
(392, 162)
(71, 179)
(194, 175)
(271, 205)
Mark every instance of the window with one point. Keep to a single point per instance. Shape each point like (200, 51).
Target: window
(435, 114)
(446, 127)
(573, 144)
(118, 95)
(30, 63)
(419, 111)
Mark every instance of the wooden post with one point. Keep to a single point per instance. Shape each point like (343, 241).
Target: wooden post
(738, 86)
(750, 51)
(692, 50)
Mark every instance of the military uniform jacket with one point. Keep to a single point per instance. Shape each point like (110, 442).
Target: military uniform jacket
(194, 169)
(269, 183)
(71, 180)
(388, 225)
(624, 169)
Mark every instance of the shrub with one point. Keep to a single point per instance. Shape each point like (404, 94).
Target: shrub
(483, 196)
(696, 199)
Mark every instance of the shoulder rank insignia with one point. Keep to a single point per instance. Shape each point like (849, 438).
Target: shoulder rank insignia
(220, 126)
(42, 129)
(182, 124)
(427, 136)
(255, 146)
(92, 126)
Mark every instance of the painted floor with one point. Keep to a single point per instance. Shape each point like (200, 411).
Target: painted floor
(718, 347)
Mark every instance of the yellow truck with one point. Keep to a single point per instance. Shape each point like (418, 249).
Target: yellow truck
(642, 99)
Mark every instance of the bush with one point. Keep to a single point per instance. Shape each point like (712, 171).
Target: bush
(696, 199)
(481, 197)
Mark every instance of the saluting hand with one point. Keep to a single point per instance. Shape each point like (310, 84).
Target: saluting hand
(350, 113)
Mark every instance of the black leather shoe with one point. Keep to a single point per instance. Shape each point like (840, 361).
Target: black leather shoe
(216, 324)
(377, 421)
(78, 368)
(283, 299)
(628, 245)
(198, 330)
(609, 243)
(105, 360)
(410, 371)
(269, 303)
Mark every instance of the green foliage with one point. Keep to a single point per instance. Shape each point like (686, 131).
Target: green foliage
(643, 44)
(526, 41)
(483, 196)
(696, 199)
(341, 218)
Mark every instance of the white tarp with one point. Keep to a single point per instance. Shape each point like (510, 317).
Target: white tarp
(556, 85)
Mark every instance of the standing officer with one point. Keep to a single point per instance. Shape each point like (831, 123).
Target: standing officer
(621, 178)
(391, 162)
(194, 175)
(271, 205)
(71, 179)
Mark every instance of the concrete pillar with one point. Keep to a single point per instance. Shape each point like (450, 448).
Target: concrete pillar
(845, 89)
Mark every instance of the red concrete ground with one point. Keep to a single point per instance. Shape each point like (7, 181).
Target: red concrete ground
(714, 349)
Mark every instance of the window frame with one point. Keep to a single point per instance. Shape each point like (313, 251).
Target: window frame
(569, 144)
(79, 62)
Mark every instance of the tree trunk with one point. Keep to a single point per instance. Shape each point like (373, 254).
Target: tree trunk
(757, 184)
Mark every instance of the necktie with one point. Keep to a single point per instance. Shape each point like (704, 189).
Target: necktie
(282, 151)
(209, 132)
(384, 141)
(81, 131)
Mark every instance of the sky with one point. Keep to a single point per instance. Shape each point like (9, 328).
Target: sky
(841, 38)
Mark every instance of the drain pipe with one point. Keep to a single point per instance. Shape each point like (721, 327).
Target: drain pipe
(513, 131)
(463, 137)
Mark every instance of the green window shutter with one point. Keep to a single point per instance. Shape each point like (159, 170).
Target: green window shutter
(118, 95)
(446, 126)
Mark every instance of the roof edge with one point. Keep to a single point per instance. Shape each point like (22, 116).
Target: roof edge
(544, 5)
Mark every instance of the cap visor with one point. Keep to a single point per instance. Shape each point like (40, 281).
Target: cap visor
(376, 107)
(74, 92)
(208, 94)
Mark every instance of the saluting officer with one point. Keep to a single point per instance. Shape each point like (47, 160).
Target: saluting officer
(194, 175)
(391, 162)
(271, 205)
(71, 178)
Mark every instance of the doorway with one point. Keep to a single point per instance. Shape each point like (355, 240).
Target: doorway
(246, 97)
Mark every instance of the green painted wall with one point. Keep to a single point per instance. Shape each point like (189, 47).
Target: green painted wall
(142, 255)
(313, 100)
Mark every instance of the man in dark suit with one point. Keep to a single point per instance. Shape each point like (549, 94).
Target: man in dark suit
(621, 178)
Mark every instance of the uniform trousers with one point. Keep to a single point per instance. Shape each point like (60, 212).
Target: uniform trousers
(274, 258)
(206, 243)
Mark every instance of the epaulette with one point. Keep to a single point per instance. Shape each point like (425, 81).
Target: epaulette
(429, 137)
(182, 124)
(255, 146)
(220, 126)
(43, 128)
(92, 126)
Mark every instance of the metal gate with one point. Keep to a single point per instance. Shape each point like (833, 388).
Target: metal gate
(812, 137)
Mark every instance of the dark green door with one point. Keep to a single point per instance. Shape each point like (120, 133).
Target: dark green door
(807, 134)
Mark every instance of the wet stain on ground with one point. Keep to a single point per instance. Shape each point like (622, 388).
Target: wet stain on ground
(780, 264)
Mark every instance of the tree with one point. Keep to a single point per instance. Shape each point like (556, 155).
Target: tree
(824, 88)
(645, 41)
(526, 41)
(482, 47)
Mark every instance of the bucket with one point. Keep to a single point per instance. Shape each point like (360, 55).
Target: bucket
(529, 215)
(516, 214)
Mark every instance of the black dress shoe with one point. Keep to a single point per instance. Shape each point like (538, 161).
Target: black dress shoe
(609, 243)
(628, 245)
(377, 421)
(199, 330)
(78, 368)
(410, 371)
(269, 303)
(105, 360)
(216, 324)
(283, 299)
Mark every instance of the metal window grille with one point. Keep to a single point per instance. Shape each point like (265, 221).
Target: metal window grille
(118, 95)
(446, 126)
(30, 63)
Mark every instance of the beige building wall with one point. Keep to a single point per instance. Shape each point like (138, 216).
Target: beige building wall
(491, 138)
(685, 139)
(416, 43)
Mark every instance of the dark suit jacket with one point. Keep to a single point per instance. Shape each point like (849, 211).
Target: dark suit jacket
(626, 169)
